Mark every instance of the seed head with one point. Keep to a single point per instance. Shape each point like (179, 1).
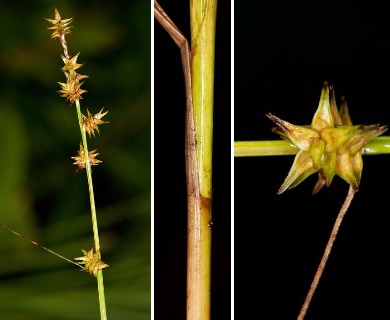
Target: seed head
(80, 158)
(71, 90)
(71, 64)
(61, 27)
(331, 145)
(90, 123)
(91, 261)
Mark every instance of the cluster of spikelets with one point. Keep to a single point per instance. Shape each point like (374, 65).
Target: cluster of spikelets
(71, 90)
(91, 262)
(331, 145)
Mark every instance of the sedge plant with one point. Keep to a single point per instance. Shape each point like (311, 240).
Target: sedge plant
(71, 90)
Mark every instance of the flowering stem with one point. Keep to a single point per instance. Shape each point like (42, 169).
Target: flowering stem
(71, 90)
(379, 145)
(328, 248)
(102, 303)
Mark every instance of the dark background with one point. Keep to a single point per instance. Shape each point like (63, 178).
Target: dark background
(170, 211)
(284, 51)
(41, 194)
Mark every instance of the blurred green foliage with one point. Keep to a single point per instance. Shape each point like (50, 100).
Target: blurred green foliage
(41, 194)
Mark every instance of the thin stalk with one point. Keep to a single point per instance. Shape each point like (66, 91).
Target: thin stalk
(102, 303)
(264, 148)
(326, 254)
(379, 145)
(39, 245)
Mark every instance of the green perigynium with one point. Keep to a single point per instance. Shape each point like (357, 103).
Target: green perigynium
(331, 145)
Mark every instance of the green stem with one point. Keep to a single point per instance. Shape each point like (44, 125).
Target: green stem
(379, 145)
(102, 302)
(203, 23)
